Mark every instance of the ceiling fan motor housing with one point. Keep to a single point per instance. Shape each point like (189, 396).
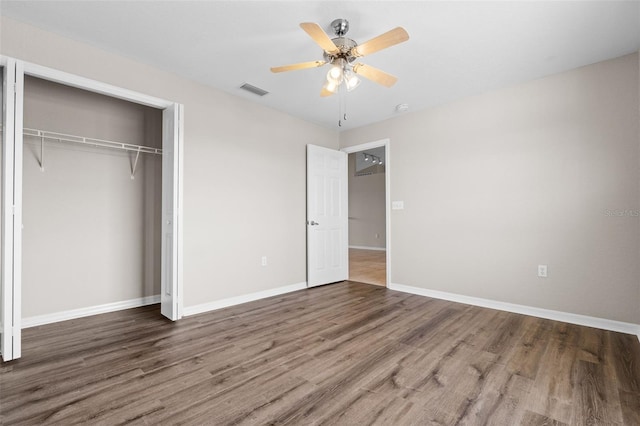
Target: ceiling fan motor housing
(344, 46)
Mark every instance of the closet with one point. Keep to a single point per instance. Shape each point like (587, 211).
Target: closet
(92, 200)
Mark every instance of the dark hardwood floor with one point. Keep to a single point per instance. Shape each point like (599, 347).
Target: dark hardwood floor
(348, 353)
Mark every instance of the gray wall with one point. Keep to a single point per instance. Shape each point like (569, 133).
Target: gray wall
(90, 231)
(495, 184)
(366, 208)
(232, 215)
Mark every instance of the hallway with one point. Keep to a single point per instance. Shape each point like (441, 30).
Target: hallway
(368, 266)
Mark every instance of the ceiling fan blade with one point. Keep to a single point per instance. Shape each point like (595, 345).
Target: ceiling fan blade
(319, 36)
(299, 66)
(388, 39)
(375, 75)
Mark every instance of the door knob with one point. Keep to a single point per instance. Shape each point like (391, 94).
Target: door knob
(312, 223)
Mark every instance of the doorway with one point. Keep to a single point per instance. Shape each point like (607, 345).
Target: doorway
(368, 189)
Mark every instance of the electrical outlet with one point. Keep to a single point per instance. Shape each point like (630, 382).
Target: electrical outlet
(377, 236)
(542, 271)
(264, 261)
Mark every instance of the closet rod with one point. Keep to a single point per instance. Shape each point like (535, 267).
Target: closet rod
(62, 137)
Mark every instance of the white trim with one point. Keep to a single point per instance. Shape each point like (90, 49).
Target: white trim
(232, 301)
(11, 276)
(6, 270)
(386, 143)
(95, 86)
(88, 311)
(605, 324)
(368, 248)
(17, 210)
(180, 208)
(365, 146)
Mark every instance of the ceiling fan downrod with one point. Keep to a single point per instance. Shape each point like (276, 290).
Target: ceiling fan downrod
(340, 27)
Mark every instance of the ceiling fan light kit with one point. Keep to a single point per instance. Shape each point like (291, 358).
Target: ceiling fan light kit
(341, 51)
(341, 72)
(351, 80)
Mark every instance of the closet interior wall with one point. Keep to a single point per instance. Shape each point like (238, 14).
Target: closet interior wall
(91, 233)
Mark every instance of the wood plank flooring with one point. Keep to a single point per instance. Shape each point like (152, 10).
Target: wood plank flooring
(343, 354)
(368, 266)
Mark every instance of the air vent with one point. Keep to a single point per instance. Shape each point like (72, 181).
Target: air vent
(253, 89)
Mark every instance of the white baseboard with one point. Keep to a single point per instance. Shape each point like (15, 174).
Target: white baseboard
(231, 301)
(91, 310)
(368, 248)
(605, 324)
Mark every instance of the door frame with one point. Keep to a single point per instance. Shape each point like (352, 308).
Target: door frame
(14, 285)
(386, 143)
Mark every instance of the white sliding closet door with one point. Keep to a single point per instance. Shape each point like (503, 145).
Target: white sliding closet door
(12, 89)
(171, 199)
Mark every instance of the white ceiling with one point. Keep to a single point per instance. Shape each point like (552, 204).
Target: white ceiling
(456, 49)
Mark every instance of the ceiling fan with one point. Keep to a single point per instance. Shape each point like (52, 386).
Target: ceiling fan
(341, 51)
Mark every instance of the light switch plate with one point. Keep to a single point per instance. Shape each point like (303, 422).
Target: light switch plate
(397, 205)
(542, 271)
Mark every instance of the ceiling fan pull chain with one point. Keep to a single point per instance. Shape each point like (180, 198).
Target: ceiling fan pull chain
(340, 105)
(343, 103)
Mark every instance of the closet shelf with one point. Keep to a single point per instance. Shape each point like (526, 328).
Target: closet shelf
(62, 137)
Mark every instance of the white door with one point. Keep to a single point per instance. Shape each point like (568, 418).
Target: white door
(171, 193)
(12, 89)
(327, 216)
